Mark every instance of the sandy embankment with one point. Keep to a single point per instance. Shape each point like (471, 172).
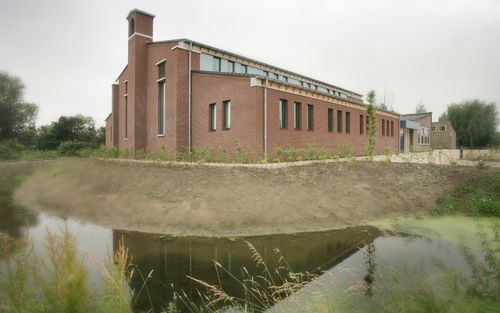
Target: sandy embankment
(237, 201)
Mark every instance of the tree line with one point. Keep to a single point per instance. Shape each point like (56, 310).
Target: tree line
(18, 121)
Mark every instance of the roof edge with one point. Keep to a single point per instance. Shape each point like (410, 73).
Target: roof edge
(139, 11)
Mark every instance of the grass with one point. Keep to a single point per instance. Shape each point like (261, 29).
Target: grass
(473, 201)
(59, 281)
(491, 155)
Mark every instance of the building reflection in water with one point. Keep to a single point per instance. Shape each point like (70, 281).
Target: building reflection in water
(171, 260)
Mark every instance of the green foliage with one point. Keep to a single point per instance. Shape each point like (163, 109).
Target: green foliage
(69, 128)
(420, 108)
(473, 201)
(17, 118)
(10, 150)
(474, 121)
(73, 148)
(241, 154)
(371, 125)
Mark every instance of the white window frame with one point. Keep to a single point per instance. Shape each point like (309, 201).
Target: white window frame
(226, 108)
(296, 117)
(442, 131)
(164, 83)
(213, 117)
(282, 119)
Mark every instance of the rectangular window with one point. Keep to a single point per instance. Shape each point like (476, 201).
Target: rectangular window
(339, 121)
(161, 107)
(383, 127)
(216, 64)
(361, 126)
(442, 128)
(212, 117)
(330, 120)
(282, 113)
(226, 107)
(433, 128)
(161, 70)
(230, 66)
(310, 117)
(243, 69)
(392, 128)
(387, 128)
(347, 122)
(126, 117)
(296, 115)
(126, 88)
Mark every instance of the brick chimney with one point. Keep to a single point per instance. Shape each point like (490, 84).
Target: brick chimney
(140, 32)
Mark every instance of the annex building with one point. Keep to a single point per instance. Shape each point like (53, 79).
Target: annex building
(181, 94)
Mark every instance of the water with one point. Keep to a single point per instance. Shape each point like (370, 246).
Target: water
(340, 258)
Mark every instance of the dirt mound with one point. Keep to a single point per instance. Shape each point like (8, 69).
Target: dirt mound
(237, 201)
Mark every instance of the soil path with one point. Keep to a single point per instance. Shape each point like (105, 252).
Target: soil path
(209, 201)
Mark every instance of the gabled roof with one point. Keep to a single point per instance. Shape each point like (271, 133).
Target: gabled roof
(253, 61)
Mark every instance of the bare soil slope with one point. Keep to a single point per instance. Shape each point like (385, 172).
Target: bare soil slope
(237, 201)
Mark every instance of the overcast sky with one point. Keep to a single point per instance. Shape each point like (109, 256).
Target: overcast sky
(68, 53)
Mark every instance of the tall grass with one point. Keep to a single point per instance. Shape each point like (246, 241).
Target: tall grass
(58, 282)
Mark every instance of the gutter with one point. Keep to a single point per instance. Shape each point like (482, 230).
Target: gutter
(189, 101)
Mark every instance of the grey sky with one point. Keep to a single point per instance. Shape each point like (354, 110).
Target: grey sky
(437, 51)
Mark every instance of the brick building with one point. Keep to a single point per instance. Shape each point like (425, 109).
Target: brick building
(443, 136)
(181, 94)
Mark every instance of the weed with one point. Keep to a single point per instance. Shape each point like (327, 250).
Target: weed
(241, 154)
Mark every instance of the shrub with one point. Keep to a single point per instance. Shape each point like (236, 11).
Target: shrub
(10, 150)
(72, 148)
(242, 155)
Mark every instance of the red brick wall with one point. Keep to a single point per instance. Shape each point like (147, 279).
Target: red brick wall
(109, 131)
(246, 113)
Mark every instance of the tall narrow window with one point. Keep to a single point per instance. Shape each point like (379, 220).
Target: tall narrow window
(126, 88)
(161, 98)
(392, 128)
(212, 117)
(330, 120)
(339, 121)
(383, 127)
(347, 122)
(161, 107)
(310, 117)
(296, 115)
(282, 113)
(387, 128)
(226, 108)
(361, 126)
(126, 117)
(230, 66)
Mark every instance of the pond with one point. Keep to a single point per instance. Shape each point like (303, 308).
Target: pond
(337, 259)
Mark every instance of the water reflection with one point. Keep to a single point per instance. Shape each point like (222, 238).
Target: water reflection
(171, 260)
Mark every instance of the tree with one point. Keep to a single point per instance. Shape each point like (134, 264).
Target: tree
(420, 108)
(444, 117)
(17, 118)
(474, 121)
(371, 123)
(68, 128)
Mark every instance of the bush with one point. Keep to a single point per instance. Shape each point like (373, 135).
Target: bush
(73, 148)
(11, 150)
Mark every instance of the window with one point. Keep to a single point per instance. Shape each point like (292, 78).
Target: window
(361, 126)
(230, 66)
(161, 107)
(387, 128)
(282, 113)
(131, 27)
(330, 120)
(383, 127)
(442, 128)
(126, 117)
(347, 122)
(339, 121)
(433, 128)
(392, 128)
(296, 115)
(310, 117)
(161, 70)
(226, 108)
(126, 88)
(212, 117)
(216, 64)
(161, 97)
(306, 85)
(273, 76)
(243, 69)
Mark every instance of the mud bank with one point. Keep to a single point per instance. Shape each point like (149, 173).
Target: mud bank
(205, 201)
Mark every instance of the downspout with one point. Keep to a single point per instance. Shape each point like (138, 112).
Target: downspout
(189, 100)
(265, 118)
